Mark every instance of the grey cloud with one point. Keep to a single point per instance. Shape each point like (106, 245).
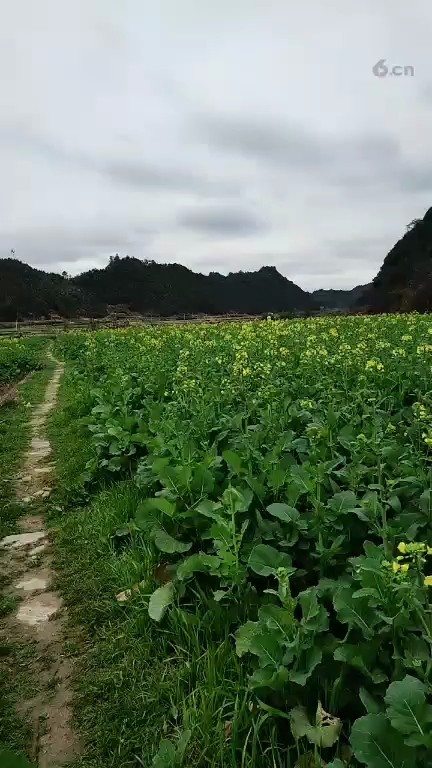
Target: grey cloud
(348, 162)
(274, 144)
(138, 174)
(47, 247)
(134, 173)
(219, 221)
(358, 249)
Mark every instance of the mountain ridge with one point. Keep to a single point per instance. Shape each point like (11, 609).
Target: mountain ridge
(144, 287)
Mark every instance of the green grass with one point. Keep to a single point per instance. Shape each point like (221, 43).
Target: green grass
(14, 437)
(137, 682)
(15, 685)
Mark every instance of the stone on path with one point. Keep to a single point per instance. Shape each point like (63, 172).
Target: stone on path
(32, 584)
(18, 540)
(39, 609)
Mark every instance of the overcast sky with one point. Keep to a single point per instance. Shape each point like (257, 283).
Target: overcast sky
(221, 134)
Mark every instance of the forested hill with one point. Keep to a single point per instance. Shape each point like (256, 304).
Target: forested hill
(404, 282)
(334, 299)
(26, 292)
(145, 287)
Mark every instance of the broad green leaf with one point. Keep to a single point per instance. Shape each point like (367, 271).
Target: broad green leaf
(166, 756)
(233, 460)
(300, 723)
(203, 480)
(198, 563)
(182, 744)
(314, 615)
(357, 613)
(267, 647)
(416, 649)
(301, 479)
(278, 619)
(160, 600)
(376, 744)
(284, 512)
(361, 656)
(167, 543)
(267, 677)
(343, 502)
(265, 560)
(244, 635)
(371, 705)
(277, 477)
(324, 733)
(161, 504)
(407, 709)
(425, 501)
(308, 660)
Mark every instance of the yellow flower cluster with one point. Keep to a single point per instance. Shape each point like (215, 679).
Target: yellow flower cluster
(374, 365)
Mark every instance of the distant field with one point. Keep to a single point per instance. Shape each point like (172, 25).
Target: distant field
(18, 357)
(53, 327)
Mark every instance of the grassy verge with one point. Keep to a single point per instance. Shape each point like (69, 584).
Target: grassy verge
(14, 436)
(142, 690)
(15, 656)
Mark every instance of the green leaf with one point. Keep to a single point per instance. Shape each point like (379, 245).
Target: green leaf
(425, 501)
(267, 677)
(219, 594)
(160, 600)
(266, 646)
(233, 460)
(198, 563)
(166, 756)
(343, 502)
(407, 709)
(370, 704)
(284, 512)
(324, 733)
(167, 543)
(182, 744)
(315, 616)
(307, 661)
(161, 504)
(277, 477)
(244, 636)
(265, 560)
(355, 613)
(378, 745)
(278, 619)
(361, 656)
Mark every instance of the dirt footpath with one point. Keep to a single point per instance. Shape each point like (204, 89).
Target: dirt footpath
(40, 617)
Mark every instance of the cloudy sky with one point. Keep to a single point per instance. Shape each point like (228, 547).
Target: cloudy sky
(221, 134)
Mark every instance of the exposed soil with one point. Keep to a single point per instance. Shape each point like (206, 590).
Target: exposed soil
(9, 393)
(39, 618)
